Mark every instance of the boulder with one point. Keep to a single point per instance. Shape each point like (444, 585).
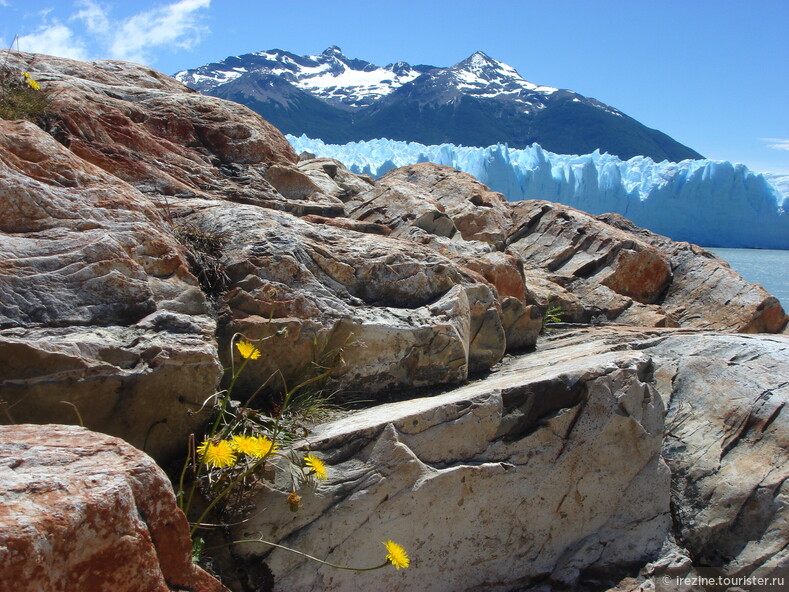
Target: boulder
(439, 199)
(163, 138)
(727, 444)
(706, 292)
(403, 207)
(334, 178)
(570, 244)
(83, 511)
(548, 467)
(298, 187)
(404, 315)
(622, 273)
(98, 308)
(556, 470)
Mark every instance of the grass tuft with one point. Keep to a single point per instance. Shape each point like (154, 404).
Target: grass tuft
(21, 96)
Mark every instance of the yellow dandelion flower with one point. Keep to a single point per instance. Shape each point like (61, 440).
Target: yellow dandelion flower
(255, 446)
(247, 350)
(244, 444)
(317, 467)
(396, 555)
(30, 82)
(262, 446)
(217, 454)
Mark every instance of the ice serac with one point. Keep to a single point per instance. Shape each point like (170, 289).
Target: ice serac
(710, 203)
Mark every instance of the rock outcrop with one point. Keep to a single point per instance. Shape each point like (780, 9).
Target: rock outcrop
(151, 220)
(727, 437)
(404, 314)
(81, 511)
(707, 293)
(98, 307)
(557, 470)
(142, 225)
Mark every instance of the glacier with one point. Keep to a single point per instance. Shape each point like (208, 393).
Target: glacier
(706, 202)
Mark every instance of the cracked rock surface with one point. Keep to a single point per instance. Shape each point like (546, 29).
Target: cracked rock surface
(142, 225)
(561, 468)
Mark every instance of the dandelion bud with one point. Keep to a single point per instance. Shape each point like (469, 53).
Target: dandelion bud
(294, 501)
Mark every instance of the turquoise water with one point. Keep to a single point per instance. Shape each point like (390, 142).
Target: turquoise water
(761, 266)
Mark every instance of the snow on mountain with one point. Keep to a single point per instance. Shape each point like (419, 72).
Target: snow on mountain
(710, 203)
(356, 83)
(481, 76)
(329, 75)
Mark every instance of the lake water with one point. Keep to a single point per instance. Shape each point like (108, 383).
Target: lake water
(761, 266)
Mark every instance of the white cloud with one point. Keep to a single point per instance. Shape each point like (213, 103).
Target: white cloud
(56, 39)
(777, 143)
(174, 25)
(92, 33)
(94, 16)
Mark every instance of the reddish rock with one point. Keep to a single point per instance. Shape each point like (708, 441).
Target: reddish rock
(97, 305)
(706, 293)
(81, 511)
(462, 203)
(573, 245)
(619, 272)
(108, 220)
(502, 270)
(161, 137)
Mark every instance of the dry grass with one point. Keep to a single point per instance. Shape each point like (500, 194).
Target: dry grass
(20, 97)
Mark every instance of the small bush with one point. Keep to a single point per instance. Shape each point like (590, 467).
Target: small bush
(21, 96)
(204, 254)
(243, 449)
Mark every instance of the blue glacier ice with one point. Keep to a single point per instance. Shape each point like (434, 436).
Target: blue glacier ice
(709, 203)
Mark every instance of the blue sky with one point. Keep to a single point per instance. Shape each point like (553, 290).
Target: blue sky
(712, 74)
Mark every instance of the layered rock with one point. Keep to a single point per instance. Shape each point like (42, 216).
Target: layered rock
(618, 272)
(727, 437)
(547, 468)
(550, 472)
(97, 305)
(151, 224)
(706, 292)
(81, 511)
(95, 278)
(403, 314)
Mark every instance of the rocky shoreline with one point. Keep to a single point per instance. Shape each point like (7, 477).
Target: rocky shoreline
(142, 225)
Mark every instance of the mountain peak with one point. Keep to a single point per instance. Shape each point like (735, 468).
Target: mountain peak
(480, 57)
(477, 101)
(483, 65)
(331, 51)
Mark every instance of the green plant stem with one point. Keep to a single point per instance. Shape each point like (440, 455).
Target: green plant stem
(228, 489)
(212, 433)
(189, 456)
(284, 548)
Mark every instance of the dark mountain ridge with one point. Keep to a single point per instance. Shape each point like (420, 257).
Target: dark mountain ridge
(477, 102)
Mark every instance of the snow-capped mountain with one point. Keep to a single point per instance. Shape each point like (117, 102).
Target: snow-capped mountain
(330, 75)
(711, 203)
(477, 102)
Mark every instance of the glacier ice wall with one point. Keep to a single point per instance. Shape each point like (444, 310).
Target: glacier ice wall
(710, 203)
